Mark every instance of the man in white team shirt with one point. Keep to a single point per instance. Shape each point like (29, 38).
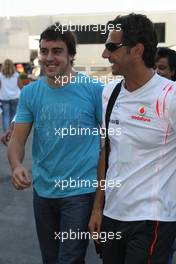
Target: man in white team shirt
(143, 157)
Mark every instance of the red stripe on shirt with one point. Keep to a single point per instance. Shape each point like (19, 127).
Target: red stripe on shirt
(154, 241)
(164, 100)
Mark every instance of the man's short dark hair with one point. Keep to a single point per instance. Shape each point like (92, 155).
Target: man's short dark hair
(170, 54)
(137, 28)
(58, 32)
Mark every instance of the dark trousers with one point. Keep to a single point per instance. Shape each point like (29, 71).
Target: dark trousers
(141, 242)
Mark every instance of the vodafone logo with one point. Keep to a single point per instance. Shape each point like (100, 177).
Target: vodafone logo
(141, 111)
(141, 115)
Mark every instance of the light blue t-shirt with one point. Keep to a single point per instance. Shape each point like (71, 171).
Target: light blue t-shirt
(65, 141)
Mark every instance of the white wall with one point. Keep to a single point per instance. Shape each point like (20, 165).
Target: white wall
(14, 41)
(89, 55)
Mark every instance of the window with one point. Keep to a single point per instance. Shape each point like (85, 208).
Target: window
(92, 34)
(96, 34)
(160, 31)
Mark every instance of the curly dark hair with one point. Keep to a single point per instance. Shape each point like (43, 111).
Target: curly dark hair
(137, 28)
(59, 32)
(170, 54)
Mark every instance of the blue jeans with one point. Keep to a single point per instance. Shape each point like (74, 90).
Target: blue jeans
(8, 112)
(64, 215)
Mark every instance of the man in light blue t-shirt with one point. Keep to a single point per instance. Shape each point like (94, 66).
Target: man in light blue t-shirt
(64, 108)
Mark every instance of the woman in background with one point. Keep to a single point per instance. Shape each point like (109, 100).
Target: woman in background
(10, 85)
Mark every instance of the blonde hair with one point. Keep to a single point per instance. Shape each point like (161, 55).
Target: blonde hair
(8, 68)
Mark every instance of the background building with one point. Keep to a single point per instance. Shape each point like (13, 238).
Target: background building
(19, 36)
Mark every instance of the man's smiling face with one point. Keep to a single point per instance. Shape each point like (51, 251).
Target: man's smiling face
(54, 58)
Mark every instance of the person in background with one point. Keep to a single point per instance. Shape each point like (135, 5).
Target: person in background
(10, 85)
(165, 63)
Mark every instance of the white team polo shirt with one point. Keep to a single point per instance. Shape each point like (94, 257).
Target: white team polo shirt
(143, 156)
(9, 89)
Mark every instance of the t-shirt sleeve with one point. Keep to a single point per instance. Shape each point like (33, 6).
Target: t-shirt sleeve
(98, 102)
(17, 74)
(24, 111)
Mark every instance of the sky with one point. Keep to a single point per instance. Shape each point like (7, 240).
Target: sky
(50, 7)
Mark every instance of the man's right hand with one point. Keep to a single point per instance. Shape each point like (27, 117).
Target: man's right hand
(95, 222)
(21, 178)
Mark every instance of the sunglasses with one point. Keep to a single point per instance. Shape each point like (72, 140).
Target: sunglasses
(113, 46)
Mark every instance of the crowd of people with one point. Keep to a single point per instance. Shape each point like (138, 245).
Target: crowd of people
(133, 221)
